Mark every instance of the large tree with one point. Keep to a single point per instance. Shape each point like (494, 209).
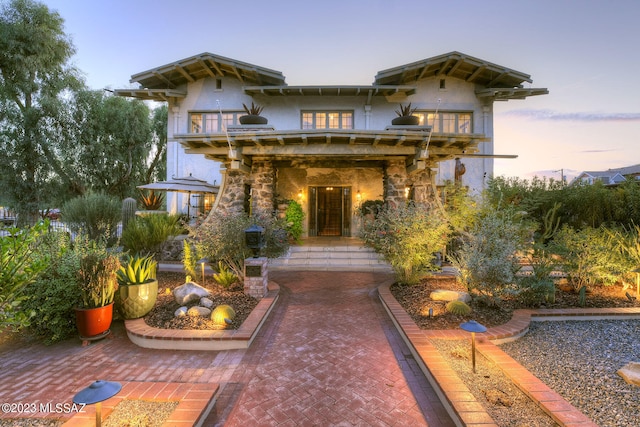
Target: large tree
(34, 77)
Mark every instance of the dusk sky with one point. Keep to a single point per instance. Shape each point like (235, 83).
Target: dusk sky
(585, 52)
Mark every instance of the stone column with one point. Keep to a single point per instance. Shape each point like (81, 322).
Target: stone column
(422, 187)
(395, 181)
(262, 187)
(232, 198)
(256, 277)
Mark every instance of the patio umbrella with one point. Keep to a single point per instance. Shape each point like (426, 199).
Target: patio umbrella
(187, 184)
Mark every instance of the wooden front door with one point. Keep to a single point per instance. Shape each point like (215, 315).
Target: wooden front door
(329, 211)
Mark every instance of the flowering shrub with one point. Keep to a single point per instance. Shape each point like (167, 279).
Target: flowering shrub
(294, 216)
(221, 238)
(408, 238)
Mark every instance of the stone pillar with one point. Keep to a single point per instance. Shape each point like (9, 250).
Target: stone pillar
(256, 277)
(395, 181)
(263, 174)
(232, 198)
(422, 187)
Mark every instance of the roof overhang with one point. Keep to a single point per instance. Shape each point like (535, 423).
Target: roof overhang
(159, 95)
(505, 94)
(418, 148)
(204, 65)
(456, 65)
(366, 91)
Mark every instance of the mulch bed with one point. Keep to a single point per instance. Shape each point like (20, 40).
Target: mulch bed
(163, 313)
(416, 301)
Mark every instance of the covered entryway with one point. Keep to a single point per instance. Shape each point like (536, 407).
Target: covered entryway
(330, 211)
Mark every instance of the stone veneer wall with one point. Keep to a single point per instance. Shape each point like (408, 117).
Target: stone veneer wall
(232, 200)
(394, 180)
(422, 187)
(264, 177)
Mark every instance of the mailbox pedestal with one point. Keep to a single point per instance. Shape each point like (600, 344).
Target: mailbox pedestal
(256, 277)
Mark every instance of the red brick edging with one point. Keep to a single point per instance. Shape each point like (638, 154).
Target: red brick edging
(455, 395)
(147, 336)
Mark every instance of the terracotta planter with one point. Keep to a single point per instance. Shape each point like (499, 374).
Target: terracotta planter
(406, 120)
(92, 322)
(135, 301)
(252, 119)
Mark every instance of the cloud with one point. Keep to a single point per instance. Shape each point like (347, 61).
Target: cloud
(598, 151)
(574, 117)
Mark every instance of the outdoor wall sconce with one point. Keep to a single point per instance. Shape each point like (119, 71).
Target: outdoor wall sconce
(254, 238)
(473, 327)
(97, 393)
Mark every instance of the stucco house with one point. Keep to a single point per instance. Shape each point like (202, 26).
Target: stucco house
(330, 147)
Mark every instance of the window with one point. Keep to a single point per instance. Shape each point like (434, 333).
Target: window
(327, 120)
(446, 122)
(211, 123)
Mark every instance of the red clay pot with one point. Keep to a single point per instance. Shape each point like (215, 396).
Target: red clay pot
(92, 322)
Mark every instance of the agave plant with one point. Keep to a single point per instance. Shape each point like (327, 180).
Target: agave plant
(151, 201)
(254, 110)
(405, 110)
(137, 270)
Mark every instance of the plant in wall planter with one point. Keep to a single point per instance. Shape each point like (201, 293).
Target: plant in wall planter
(405, 116)
(137, 286)
(97, 282)
(253, 116)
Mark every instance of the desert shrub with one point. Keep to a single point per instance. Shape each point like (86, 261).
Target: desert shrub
(459, 308)
(627, 243)
(95, 215)
(54, 294)
(20, 264)
(588, 256)
(408, 237)
(189, 259)
(221, 238)
(224, 277)
(294, 215)
(148, 233)
(488, 257)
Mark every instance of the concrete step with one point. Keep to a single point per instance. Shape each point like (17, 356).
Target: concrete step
(330, 258)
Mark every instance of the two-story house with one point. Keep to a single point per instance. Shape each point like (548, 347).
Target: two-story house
(330, 147)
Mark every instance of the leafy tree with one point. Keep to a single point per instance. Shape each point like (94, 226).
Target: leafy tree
(34, 77)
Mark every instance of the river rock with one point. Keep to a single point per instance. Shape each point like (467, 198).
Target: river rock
(631, 373)
(189, 292)
(197, 311)
(181, 312)
(447, 295)
(206, 302)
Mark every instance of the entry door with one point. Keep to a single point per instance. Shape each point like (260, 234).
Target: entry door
(330, 211)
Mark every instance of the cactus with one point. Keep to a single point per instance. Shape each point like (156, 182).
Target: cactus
(582, 296)
(129, 207)
(458, 308)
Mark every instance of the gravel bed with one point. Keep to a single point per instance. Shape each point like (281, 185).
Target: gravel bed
(503, 401)
(579, 360)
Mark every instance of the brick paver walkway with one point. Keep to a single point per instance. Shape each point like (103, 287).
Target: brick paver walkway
(329, 355)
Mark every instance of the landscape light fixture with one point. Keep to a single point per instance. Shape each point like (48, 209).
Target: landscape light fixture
(203, 262)
(97, 393)
(473, 327)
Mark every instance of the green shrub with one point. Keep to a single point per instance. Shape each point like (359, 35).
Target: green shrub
(224, 277)
(459, 308)
(488, 257)
(294, 215)
(371, 207)
(20, 264)
(408, 237)
(148, 233)
(588, 256)
(95, 215)
(221, 238)
(54, 294)
(189, 259)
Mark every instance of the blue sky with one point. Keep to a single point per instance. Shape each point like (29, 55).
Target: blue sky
(585, 52)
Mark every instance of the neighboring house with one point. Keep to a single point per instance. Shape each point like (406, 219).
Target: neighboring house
(608, 177)
(330, 147)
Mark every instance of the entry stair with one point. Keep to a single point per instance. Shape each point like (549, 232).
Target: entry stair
(330, 254)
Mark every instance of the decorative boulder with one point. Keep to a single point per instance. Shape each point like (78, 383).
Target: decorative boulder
(189, 292)
(223, 314)
(181, 312)
(196, 311)
(446, 295)
(631, 373)
(206, 302)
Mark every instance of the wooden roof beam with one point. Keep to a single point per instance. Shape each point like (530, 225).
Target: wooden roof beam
(182, 71)
(206, 67)
(164, 79)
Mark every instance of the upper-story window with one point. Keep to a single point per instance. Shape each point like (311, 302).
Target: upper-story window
(327, 120)
(211, 122)
(447, 122)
